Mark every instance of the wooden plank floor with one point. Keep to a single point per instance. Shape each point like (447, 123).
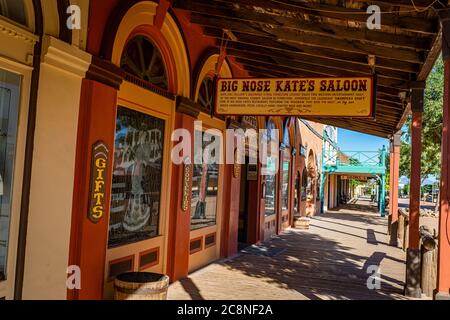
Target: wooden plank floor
(329, 261)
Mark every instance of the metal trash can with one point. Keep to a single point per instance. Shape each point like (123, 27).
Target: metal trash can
(141, 286)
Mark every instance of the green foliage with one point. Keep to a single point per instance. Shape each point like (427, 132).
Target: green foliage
(432, 127)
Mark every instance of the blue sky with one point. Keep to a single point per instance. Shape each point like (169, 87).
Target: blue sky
(355, 141)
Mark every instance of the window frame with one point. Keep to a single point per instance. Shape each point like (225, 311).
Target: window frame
(161, 193)
(219, 173)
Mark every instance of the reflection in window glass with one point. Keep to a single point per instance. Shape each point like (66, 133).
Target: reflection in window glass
(143, 59)
(14, 10)
(304, 184)
(9, 110)
(205, 187)
(285, 186)
(137, 176)
(270, 196)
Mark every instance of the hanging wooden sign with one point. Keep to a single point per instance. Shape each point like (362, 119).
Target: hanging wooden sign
(97, 193)
(319, 97)
(187, 175)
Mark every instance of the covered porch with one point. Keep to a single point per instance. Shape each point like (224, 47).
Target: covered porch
(298, 38)
(333, 260)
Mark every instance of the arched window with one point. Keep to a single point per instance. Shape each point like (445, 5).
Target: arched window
(206, 94)
(14, 10)
(142, 59)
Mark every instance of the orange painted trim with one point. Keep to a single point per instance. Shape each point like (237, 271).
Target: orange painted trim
(200, 239)
(152, 264)
(395, 178)
(88, 241)
(414, 201)
(178, 251)
(112, 262)
(161, 12)
(443, 273)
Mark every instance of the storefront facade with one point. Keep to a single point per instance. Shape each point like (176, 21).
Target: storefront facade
(90, 119)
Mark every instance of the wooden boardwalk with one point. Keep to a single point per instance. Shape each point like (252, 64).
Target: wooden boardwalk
(329, 261)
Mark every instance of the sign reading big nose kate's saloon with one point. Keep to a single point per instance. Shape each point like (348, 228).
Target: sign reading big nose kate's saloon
(97, 193)
(319, 97)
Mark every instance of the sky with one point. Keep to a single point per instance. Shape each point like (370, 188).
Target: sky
(355, 141)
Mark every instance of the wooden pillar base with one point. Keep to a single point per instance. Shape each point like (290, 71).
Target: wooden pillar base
(413, 274)
(393, 241)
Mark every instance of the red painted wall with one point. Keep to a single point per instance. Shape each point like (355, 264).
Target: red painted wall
(88, 240)
(179, 221)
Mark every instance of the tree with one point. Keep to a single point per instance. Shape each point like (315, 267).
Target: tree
(432, 128)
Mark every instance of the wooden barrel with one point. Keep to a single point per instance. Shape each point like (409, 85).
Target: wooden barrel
(141, 286)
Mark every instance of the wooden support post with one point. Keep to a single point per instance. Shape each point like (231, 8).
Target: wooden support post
(395, 175)
(443, 277)
(391, 165)
(413, 271)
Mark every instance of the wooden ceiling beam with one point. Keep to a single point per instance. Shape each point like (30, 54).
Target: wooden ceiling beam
(311, 9)
(339, 66)
(288, 24)
(299, 41)
(256, 43)
(318, 71)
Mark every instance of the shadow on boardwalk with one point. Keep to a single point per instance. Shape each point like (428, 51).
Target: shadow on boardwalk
(329, 261)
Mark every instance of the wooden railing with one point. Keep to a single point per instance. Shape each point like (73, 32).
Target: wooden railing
(428, 247)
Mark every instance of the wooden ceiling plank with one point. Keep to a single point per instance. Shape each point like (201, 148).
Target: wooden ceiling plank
(260, 42)
(403, 22)
(289, 24)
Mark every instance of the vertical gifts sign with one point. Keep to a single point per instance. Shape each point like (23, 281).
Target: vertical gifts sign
(97, 194)
(318, 97)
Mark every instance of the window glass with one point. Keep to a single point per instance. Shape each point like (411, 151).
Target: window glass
(285, 185)
(270, 191)
(270, 198)
(9, 110)
(304, 184)
(143, 59)
(14, 10)
(205, 188)
(137, 177)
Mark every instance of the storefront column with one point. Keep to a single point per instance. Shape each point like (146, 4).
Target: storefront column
(230, 229)
(391, 181)
(395, 176)
(181, 195)
(62, 70)
(97, 123)
(413, 270)
(443, 276)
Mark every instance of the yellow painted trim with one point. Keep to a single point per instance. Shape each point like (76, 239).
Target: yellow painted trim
(210, 254)
(7, 287)
(210, 66)
(139, 99)
(143, 13)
